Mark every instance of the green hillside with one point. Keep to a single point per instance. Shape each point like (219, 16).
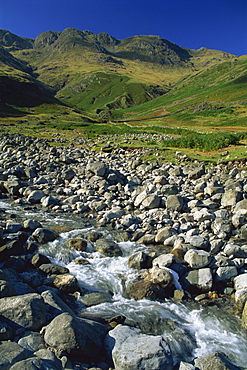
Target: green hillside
(77, 82)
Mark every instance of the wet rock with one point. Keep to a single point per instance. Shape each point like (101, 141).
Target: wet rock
(94, 298)
(215, 361)
(85, 336)
(78, 244)
(67, 283)
(108, 248)
(43, 236)
(12, 248)
(31, 225)
(51, 268)
(161, 276)
(146, 289)
(27, 311)
(139, 260)
(241, 298)
(130, 349)
(6, 289)
(39, 259)
(13, 227)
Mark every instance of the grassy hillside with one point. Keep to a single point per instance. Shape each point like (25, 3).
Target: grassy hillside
(81, 84)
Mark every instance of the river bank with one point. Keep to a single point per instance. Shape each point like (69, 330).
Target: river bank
(177, 231)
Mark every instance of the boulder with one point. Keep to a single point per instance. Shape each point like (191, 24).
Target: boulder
(98, 168)
(11, 353)
(161, 276)
(67, 283)
(231, 197)
(39, 259)
(43, 236)
(139, 260)
(139, 289)
(52, 268)
(31, 225)
(94, 298)
(12, 248)
(32, 341)
(35, 196)
(197, 281)
(225, 273)
(49, 201)
(54, 304)
(163, 234)
(240, 298)
(164, 260)
(240, 282)
(27, 311)
(80, 338)
(35, 363)
(174, 203)
(12, 186)
(241, 207)
(151, 201)
(132, 350)
(197, 258)
(78, 244)
(108, 248)
(215, 361)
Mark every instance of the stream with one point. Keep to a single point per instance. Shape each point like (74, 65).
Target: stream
(191, 330)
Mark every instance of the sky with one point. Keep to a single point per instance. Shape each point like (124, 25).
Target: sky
(214, 24)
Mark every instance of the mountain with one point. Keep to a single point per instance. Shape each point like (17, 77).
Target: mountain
(102, 76)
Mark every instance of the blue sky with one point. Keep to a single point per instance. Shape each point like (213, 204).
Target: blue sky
(215, 24)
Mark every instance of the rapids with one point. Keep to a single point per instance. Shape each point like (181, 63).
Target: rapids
(190, 329)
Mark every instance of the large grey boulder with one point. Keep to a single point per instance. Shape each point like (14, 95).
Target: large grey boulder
(35, 363)
(54, 304)
(241, 207)
(174, 203)
(163, 234)
(10, 353)
(151, 201)
(32, 341)
(42, 235)
(231, 197)
(78, 337)
(35, 196)
(240, 282)
(131, 350)
(139, 260)
(225, 273)
(198, 281)
(98, 168)
(27, 311)
(215, 361)
(197, 258)
(108, 248)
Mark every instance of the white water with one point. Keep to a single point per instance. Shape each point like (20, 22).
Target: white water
(199, 331)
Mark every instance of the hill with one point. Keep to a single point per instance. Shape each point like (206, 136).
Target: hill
(73, 79)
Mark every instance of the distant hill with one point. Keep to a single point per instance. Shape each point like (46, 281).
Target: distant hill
(100, 75)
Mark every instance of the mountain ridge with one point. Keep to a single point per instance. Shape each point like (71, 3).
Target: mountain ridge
(96, 72)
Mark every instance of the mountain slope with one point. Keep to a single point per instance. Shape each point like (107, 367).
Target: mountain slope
(101, 75)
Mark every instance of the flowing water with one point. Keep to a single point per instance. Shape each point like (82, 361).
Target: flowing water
(191, 330)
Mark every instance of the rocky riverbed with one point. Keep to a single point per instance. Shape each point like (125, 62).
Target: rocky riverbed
(188, 219)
